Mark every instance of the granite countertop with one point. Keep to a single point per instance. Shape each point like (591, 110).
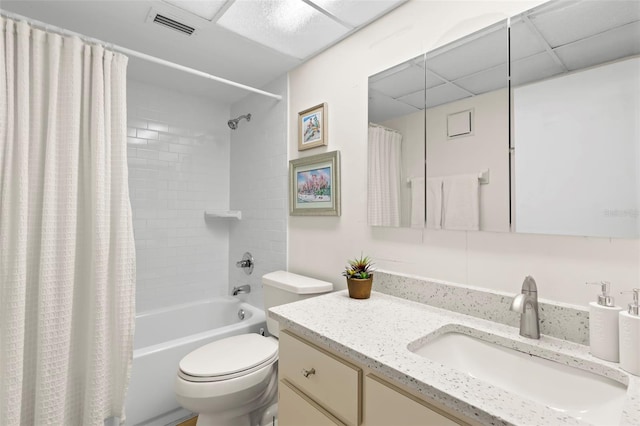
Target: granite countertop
(376, 333)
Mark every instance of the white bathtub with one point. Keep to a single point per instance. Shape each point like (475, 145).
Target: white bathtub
(163, 337)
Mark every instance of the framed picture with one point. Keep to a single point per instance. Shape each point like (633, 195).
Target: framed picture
(312, 127)
(314, 185)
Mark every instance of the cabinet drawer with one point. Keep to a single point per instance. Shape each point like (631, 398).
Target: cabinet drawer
(386, 404)
(296, 409)
(329, 381)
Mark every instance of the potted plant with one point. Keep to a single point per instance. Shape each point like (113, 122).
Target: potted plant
(359, 275)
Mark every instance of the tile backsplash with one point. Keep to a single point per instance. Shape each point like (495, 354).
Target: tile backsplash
(559, 320)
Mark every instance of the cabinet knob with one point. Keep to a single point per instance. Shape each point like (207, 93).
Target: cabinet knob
(307, 373)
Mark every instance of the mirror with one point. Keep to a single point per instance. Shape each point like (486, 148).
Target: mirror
(396, 146)
(467, 136)
(556, 148)
(575, 75)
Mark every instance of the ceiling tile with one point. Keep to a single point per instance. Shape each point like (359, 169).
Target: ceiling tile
(204, 9)
(288, 26)
(356, 13)
(567, 23)
(523, 42)
(415, 99)
(486, 81)
(533, 68)
(405, 81)
(605, 47)
(477, 52)
(444, 94)
(382, 108)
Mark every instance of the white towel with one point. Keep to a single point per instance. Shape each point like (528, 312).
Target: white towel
(417, 202)
(461, 203)
(434, 203)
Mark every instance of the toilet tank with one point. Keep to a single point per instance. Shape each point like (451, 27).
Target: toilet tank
(282, 287)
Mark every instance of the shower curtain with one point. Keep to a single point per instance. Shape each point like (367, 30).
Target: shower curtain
(385, 164)
(67, 254)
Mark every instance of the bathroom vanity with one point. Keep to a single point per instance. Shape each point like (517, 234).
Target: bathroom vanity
(372, 362)
(338, 392)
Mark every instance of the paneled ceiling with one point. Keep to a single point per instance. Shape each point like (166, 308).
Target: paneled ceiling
(555, 38)
(248, 41)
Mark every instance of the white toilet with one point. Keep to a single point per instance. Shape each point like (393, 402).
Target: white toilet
(233, 381)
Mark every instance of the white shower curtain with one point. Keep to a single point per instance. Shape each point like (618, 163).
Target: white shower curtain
(67, 254)
(385, 151)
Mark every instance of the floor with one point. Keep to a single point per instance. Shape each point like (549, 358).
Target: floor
(191, 422)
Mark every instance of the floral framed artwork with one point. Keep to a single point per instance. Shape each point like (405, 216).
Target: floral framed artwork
(314, 185)
(312, 127)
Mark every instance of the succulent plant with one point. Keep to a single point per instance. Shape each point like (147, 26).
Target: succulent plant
(359, 268)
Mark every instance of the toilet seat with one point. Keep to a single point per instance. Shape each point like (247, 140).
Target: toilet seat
(229, 358)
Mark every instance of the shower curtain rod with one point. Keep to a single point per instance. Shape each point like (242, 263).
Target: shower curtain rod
(129, 52)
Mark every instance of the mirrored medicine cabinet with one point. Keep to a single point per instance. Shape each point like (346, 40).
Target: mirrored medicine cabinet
(543, 110)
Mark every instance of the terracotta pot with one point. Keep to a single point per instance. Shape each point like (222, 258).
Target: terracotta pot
(359, 288)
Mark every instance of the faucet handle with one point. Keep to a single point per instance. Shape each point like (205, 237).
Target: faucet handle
(604, 299)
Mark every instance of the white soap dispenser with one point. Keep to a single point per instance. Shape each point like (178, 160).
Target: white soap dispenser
(603, 325)
(630, 336)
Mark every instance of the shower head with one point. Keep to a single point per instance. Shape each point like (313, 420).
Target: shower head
(233, 124)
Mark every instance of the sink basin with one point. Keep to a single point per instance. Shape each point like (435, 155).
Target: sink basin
(569, 390)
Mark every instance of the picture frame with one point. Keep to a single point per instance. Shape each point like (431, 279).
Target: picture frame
(312, 127)
(314, 185)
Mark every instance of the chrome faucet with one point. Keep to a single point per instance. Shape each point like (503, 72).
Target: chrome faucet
(241, 289)
(526, 303)
(246, 263)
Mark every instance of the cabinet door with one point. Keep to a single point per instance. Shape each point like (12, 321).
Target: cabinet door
(386, 405)
(296, 409)
(330, 381)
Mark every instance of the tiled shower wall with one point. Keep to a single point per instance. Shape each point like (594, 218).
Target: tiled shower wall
(178, 152)
(259, 183)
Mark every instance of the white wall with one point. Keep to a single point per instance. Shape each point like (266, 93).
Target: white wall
(178, 153)
(259, 182)
(574, 149)
(319, 246)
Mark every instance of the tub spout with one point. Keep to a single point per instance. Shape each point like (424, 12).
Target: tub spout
(241, 289)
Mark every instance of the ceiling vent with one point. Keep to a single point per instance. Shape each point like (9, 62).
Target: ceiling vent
(173, 24)
(174, 20)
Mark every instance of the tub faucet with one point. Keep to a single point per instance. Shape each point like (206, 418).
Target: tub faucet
(526, 303)
(241, 289)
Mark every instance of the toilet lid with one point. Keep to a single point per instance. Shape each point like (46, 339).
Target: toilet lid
(230, 356)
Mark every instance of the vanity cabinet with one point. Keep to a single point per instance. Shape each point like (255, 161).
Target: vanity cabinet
(330, 382)
(317, 387)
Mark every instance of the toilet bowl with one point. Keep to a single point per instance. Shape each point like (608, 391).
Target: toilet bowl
(233, 381)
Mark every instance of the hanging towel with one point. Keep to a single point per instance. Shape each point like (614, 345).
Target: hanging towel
(417, 202)
(461, 202)
(434, 203)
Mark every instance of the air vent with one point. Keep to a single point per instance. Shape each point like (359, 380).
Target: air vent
(173, 24)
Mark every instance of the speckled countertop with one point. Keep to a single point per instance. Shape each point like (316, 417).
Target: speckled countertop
(377, 333)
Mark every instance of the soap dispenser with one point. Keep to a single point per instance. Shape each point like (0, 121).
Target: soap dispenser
(630, 337)
(603, 325)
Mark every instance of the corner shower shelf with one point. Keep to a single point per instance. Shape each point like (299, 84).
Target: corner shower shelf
(222, 214)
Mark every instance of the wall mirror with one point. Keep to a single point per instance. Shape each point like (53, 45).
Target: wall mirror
(396, 146)
(575, 77)
(467, 136)
(550, 127)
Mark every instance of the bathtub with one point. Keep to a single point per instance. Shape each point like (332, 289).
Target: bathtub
(166, 335)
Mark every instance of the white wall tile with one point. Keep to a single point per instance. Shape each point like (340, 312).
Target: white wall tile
(258, 164)
(173, 177)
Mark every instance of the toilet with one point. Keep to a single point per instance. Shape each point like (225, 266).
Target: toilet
(233, 381)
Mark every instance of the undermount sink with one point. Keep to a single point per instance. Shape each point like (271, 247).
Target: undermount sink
(568, 390)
